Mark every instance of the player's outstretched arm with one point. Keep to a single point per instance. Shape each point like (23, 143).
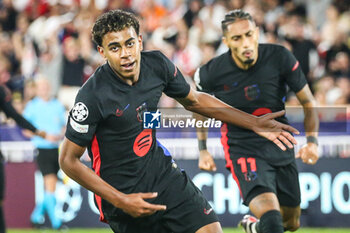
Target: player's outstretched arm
(265, 126)
(133, 204)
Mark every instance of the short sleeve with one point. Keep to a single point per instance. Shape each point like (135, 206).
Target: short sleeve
(292, 72)
(83, 119)
(176, 85)
(201, 79)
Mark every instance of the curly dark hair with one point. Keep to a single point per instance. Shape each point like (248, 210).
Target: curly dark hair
(113, 21)
(234, 15)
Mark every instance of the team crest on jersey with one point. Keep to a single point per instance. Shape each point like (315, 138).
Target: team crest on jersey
(252, 92)
(140, 110)
(80, 112)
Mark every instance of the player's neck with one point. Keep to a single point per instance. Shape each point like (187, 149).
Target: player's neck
(132, 80)
(242, 65)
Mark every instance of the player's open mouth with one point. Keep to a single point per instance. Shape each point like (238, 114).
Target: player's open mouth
(129, 66)
(248, 53)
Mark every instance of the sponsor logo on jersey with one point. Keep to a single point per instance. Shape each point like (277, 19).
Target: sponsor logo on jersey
(143, 143)
(261, 111)
(151, 120)
(119, 112)
(80, 112)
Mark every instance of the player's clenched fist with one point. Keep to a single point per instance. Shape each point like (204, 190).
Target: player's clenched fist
(206, 161)
(308, 153)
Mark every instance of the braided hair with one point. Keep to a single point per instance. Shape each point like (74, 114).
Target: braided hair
(233, 16)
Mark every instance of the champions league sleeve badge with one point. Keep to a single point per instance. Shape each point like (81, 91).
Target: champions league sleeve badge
(80, 112)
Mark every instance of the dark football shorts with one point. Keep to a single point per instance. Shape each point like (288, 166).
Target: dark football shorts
(255, 176)
(47, 161)
(187, 211)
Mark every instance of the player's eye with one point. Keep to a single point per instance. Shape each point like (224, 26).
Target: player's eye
(130, 44)
(249, 34)
(236, 38)
(114, 49)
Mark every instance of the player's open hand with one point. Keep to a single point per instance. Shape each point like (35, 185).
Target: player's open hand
(206, 161)
(308, 153)
(275, 131)
(135, 205)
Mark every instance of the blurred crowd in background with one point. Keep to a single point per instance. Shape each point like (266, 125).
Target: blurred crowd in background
(51, 39)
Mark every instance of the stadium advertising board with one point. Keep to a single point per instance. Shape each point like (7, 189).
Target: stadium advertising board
(325, 192)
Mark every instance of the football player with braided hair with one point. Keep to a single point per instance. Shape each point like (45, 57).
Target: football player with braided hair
(254, 77)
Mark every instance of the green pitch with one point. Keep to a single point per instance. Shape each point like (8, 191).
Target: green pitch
(226, 230)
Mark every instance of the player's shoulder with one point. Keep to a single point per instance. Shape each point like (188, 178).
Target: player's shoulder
(156, 61)
(97, 79)
(217, 61)
(275, 49)
(153, 55)
(90, 89)
(216, 64)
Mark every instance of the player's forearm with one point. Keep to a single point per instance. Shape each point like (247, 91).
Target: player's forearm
(202, 133)
(11, 112)
(76, 170)
(311, 120)
(209, 106)
(88, 179)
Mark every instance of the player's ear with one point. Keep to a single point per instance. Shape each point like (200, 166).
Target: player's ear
(257, 32)
(140, 42)
(224, 40)
(101, 51)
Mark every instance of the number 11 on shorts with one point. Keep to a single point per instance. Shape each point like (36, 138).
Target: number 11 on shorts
(251, 174)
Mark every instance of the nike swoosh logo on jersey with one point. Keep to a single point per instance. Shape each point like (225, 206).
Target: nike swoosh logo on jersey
(119, 112)
(207, 212)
